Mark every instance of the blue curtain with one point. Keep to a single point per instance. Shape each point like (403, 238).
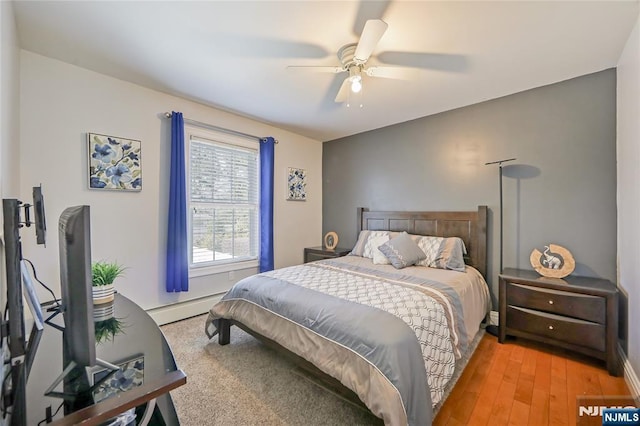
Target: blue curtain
(177, 250)
(267, 146)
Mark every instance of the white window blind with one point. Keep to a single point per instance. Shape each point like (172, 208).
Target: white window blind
(223, 206)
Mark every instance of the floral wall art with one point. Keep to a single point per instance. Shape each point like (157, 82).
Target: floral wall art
(114, 163)
(296, 184)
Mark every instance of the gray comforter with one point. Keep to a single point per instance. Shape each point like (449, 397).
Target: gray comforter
(373, 330)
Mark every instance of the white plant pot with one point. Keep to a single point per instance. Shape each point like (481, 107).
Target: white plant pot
(103, 312)
(103, 294)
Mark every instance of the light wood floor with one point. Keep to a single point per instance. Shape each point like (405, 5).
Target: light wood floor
(524, 383)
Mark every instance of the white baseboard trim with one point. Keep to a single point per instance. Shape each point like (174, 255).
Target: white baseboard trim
(179, 311)
(494, 318)
(630, 376)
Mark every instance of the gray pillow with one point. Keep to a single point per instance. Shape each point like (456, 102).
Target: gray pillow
(450, 255)
(402, 251)
(443, 253)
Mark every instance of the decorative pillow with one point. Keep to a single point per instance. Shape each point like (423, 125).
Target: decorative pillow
(361, 248)
(378, 257)
(402, 251)
(450, 255)
(442, 253)
(430, 246)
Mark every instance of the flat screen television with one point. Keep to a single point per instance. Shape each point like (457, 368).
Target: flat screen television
(74, 236)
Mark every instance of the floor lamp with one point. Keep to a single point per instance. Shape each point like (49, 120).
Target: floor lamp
(492, 329)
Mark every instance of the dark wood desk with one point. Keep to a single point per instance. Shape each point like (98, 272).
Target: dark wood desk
(141, 340)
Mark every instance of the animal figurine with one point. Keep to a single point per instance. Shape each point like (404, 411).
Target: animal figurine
(556, 262)
(550, 261)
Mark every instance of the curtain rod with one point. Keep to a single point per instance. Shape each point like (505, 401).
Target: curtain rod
(220, 129)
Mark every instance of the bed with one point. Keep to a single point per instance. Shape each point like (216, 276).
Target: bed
(388, 335)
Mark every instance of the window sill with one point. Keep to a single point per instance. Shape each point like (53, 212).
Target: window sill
(218, 269)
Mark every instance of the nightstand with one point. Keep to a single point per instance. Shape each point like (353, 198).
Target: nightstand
(321, 252)
(575, 313)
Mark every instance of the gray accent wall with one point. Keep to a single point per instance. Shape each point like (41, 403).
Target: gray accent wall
(560, 190)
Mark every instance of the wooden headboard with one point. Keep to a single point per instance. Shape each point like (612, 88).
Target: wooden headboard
(471, 226)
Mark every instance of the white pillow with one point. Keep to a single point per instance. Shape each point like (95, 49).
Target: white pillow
(370, 247)
(378, 257)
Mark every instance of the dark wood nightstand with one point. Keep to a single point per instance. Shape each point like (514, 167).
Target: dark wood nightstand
(321, 252)
(575, 313)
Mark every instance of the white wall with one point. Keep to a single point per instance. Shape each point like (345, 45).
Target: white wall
(60, 103)
(628, 154)
(9, 102)
(9, 130)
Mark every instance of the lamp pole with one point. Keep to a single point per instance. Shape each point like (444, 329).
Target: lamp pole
(499, 163)
(492, 329)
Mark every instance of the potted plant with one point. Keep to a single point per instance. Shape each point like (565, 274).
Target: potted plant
(107, 329)
(106, 325)
(104, 274)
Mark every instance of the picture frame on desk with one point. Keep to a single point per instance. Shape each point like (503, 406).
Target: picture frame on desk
(130, 375)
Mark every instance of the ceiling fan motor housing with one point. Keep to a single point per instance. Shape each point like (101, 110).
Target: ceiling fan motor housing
(347, 58)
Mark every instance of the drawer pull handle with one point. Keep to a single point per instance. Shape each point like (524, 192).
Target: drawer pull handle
(550, 327)
(551, 302)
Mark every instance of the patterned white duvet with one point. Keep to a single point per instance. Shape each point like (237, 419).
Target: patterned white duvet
(406, 295)
(392, 336)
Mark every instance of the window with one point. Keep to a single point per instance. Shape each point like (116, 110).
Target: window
(223, 198)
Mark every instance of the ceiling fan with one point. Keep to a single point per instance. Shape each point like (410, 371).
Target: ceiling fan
(353, 59)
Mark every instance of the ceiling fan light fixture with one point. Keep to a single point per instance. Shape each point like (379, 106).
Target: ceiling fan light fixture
(356, 85)
(355, 77)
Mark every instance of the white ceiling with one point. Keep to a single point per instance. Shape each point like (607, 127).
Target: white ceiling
(233, 54)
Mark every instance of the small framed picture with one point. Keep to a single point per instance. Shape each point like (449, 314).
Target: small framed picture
(296, 184)
(114, 163)
(129, 376)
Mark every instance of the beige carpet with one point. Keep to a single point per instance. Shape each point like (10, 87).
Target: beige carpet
(246, 383)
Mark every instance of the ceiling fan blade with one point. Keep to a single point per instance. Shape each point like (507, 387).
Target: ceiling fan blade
(343, 93)
(369, 10)
(332, 70)
(371, 35)
(398, 73)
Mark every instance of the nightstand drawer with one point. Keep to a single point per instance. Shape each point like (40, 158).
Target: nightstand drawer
(583, 306)
(570, 330)
(312, 257)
